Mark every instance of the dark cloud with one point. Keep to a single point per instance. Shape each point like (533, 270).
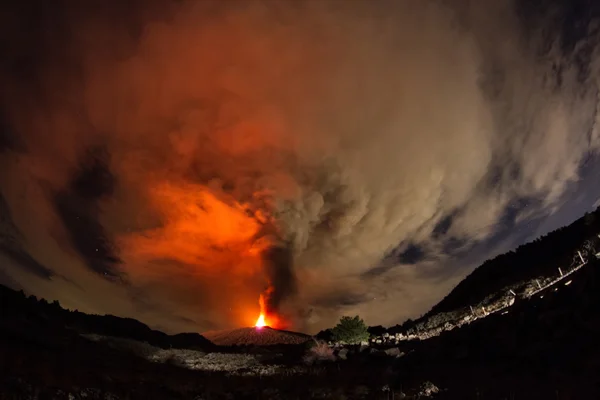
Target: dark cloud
(79, 208)
(412, 255)
(339, 300)
(442, 227)
(8, 140)
(93, 180)
(281, 276)
(24, 260)
(455, 246)
(11, 244)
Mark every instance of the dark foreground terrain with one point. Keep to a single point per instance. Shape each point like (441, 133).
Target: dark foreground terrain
(543, 348)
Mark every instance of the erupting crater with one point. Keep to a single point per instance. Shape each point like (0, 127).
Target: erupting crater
(260, 322)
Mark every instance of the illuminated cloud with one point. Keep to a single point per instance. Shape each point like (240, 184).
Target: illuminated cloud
(175, 163)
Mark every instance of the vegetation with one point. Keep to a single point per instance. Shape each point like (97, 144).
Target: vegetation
(318, 351)
(351, 330)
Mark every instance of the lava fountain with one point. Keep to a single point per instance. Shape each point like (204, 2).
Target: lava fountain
(260, 322)
(267, 317)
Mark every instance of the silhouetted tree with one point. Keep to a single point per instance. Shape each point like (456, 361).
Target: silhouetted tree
(351, 330)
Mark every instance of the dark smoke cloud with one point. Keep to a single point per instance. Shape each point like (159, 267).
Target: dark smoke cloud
(11, 245)
(281, 277)
(78, 207)
(8, 140)
(176, 158)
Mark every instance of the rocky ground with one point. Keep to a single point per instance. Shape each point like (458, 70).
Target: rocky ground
(255, 336)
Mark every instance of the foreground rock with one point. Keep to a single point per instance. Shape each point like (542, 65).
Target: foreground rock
(428, 389)
(394, 352)
(233, 363)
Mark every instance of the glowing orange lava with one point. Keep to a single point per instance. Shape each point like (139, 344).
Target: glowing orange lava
(260, 322)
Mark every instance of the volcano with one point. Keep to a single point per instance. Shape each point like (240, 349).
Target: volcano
(255, 336)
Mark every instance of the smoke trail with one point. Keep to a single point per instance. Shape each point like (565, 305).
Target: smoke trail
(281, 278)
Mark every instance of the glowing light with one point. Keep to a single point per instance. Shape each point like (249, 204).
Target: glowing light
(260, 322)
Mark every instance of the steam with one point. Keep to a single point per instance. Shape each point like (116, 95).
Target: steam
(263, 145)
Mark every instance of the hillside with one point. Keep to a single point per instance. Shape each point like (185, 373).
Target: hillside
(255, 337)
(20, 312)
(538, 259)
(496, 286)
(542, 348)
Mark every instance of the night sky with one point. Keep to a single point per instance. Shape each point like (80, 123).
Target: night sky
(173, 161)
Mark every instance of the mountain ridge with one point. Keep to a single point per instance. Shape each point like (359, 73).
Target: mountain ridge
(22, 310)
(540, 257)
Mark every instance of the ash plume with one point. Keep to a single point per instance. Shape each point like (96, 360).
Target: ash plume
(281, 276)
(297, 146)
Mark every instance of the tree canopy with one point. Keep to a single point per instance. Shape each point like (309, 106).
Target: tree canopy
(351, 330)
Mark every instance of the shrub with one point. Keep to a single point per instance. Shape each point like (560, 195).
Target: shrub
(351, 330)
(318, 352)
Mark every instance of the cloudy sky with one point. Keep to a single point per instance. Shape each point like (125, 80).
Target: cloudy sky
(172, 161)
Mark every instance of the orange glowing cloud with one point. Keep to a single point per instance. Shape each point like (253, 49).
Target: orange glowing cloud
(197, 225)
(219, 241)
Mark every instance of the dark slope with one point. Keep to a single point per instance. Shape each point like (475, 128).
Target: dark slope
(18, 313)
(544, 348)
(541, 257)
